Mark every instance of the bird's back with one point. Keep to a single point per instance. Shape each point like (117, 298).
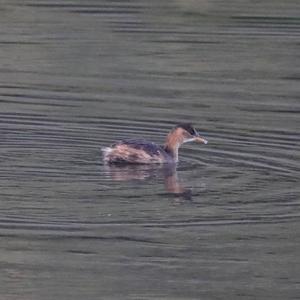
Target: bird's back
(135, 151)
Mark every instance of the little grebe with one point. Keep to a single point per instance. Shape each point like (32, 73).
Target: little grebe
(140, 151)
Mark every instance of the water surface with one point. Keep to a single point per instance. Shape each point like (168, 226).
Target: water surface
(78, 75)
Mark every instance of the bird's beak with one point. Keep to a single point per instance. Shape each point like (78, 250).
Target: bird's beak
(200, 139)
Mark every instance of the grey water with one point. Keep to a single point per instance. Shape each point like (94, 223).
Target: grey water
(78, 75)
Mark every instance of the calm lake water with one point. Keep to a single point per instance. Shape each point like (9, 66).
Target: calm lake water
(78, 75)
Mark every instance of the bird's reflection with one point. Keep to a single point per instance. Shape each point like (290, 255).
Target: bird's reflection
(145, 172)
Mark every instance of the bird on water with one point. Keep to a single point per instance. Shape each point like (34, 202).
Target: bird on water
(140, 151)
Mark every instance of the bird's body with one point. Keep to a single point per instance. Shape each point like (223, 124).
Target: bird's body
(140, 151)
(137, 151)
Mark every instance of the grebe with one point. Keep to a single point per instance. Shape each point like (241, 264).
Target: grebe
(140, 151)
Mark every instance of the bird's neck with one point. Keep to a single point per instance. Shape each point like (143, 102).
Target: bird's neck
(172, 144)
